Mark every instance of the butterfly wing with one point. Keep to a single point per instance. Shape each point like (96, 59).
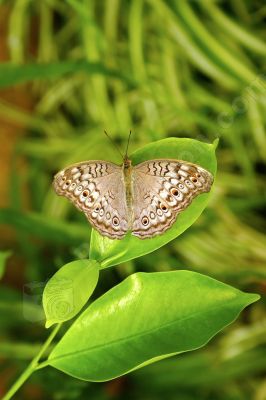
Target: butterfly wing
(97, 189)
(161, 190)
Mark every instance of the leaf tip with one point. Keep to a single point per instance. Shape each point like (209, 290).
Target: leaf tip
(216, 143)
(253, 297)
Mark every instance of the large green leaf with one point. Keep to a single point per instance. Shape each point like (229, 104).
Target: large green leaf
(145, 318)
(111, 252)
(68, 290)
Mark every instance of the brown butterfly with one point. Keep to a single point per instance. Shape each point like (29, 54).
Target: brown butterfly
(144, 199)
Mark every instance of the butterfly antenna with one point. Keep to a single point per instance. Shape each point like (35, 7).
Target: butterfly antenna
(114, 144)
(128, 140)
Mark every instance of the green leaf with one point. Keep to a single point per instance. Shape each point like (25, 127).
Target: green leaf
(51, 229)
(3, 258)
(68, 290)
(111, 252)
(13, 74)
(147, 317)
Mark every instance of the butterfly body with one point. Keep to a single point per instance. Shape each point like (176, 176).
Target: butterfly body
(127, 176)
(144, 199)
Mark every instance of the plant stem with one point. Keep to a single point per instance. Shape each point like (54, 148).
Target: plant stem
(32, 366)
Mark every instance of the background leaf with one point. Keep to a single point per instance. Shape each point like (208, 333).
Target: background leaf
(12, 74)
(3, 258)
(145, 318)
(53, 230)
(69, 289)
(111, 252)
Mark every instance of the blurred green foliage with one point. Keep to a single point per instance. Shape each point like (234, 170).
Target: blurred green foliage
(161, 68)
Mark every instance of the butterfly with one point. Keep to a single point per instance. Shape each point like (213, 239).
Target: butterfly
(145, 199)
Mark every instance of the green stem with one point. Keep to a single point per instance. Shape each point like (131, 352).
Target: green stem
(32, 366)
(43, 364)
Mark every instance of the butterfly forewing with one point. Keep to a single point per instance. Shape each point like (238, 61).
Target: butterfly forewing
(161, 190)
(97, 189)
